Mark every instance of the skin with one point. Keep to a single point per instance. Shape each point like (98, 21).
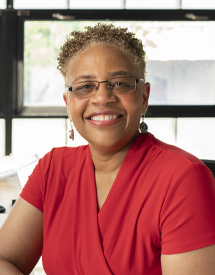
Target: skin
(21, 238)
(101, 62)
(198, 262)
(21, 234)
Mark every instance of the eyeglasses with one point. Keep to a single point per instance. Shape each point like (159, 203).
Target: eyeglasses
(118, 85)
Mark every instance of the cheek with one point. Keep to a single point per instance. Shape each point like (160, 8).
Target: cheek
(133, 104)
(77, 108)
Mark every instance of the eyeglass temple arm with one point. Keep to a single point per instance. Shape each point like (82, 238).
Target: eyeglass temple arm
(138, 80)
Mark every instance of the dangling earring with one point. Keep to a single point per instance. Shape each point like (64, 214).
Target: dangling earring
(143, 127)
(71, 131)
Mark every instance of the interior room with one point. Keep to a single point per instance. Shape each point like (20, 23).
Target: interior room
(178, 37)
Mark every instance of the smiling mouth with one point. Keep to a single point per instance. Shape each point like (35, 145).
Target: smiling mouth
(104, 117)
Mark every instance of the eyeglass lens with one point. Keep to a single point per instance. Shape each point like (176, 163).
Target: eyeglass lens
(116, 85)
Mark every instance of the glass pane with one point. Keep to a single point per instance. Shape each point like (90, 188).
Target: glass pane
(2, 137)
(178, 55)
(162, 128)
(196, 135)
(152, 4)
(2, 4)
(198, 4)
(40, 4)
(96, 4)
(37, 136)
(43, 84)
(180, 60)
(182, 82)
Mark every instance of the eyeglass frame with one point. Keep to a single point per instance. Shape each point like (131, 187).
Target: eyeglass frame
(137, 80)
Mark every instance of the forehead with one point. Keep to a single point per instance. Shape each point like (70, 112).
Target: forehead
(100, 58)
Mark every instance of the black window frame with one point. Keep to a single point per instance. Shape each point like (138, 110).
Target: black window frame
(1, 67)
(12, 51)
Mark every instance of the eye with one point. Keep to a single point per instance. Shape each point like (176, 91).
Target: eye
(84, 87)
(122, 84)
(119, 84)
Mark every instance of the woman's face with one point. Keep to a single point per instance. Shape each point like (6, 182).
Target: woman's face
(107, 121)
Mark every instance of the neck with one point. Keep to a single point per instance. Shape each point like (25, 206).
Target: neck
(107, 161)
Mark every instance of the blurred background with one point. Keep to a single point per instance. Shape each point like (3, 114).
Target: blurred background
(179, 41)
(178, 36)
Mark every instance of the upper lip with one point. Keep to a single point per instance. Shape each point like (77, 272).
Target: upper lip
(103, 113)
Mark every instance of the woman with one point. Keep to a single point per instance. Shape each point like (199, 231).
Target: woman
(127, 204)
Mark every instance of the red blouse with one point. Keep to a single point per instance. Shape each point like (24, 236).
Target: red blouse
(162, 201)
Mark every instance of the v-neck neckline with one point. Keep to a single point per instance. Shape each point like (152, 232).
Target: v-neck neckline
(102, 226)
(116, 184)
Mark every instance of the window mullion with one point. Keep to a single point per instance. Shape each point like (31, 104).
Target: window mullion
(8, 72)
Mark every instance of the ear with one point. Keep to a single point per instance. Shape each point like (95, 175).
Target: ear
(67, 101)
(146, 94)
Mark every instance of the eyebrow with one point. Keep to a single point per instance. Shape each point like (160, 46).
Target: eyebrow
(84, 77)
(117, 73)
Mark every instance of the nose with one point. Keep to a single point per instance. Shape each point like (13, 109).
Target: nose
(99, 82)
(104, 95)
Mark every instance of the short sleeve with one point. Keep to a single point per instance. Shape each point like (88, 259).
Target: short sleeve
(187, 219)
(33, 191)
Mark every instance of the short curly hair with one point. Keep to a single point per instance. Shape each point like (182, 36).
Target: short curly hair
(121, 38)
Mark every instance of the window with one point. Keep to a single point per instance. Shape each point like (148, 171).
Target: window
(152, 4)
(196, 135)
(163, 128)
(186, 133)
(2, 137)
(84, 4)
(3, 4)
(180, 64)
(97, 4)
(111, 4)
(178, 56)
(198, 4)
(40, 4)
(43, 83)
(37, 136)
(40, 136)
(1, 68)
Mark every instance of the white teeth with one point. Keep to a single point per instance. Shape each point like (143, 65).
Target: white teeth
(101, 117)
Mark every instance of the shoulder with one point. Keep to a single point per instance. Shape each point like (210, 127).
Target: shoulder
(61, 154)
(64, 151)
(171, 151)
(53, 170)
(175, 158)
(61, 159)
(170, 165)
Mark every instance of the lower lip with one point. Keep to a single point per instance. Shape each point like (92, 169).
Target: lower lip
(104, 123)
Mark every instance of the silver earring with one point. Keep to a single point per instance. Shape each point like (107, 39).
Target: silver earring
(71, 131)
(143, 127)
